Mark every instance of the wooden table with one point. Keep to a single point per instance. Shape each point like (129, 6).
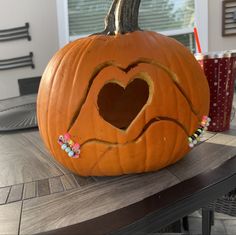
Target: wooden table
(37, 195)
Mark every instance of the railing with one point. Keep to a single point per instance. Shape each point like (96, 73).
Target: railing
(15, 33)
(17, 62)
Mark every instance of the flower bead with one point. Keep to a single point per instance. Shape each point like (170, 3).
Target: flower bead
(71, 142)
(71, 154)
(61, 138)
(67, 136)
(60, 142)
(64, 146)
(76, 145)
(191, 145)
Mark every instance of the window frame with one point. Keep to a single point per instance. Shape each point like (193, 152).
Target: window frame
(201, 21)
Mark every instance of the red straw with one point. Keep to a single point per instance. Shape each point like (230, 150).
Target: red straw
(197, 40)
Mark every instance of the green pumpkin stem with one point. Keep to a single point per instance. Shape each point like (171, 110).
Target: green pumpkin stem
(122, 17)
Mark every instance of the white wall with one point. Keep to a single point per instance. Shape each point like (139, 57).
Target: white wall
(216, 42)
(42, 16)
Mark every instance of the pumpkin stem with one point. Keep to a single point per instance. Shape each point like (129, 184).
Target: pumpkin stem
(126, 16)
(110, 20)
(122, 17)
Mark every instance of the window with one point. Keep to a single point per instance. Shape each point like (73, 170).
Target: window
(87, 17)
(173, 18)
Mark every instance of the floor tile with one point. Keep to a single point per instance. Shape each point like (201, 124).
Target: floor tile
(29, 190)
(43, 187)
(222, 216)
(56, 185)
(15, 193)
(9, 218)
(4, 194)
(197, 214)
(69, 181)
(195, 227)
(230, 226)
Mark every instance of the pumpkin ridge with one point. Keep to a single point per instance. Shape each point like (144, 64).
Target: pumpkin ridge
(172, 151)
(85, 45)
(176, 83)
(77, 71)
(55, 64)
(96, 164)
(147, 166)
(98, 160)
(57, 70)
(191, 94)
(187, 81)
(147, 125)
(54, 61)
(156, 36)
(100, 67)
(119, 159)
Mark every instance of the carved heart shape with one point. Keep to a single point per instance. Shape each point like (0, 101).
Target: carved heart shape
(118, 105)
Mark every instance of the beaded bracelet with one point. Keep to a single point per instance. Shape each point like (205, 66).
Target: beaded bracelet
(198, 134)
(69, 146)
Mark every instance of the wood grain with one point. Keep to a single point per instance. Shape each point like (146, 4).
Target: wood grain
(82, 181)
(16, 101)
(4, 192)
(108, 178)
(34, 139)
(84, 203)
(209, 155)
(29, 190)
(55, 185)
(22, 162)
(43, 187)
(69, 181)
(15, 193)
(9, 218)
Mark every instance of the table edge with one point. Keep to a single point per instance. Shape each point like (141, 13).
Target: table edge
(166, 206)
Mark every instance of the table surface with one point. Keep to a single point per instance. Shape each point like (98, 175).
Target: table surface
(37, 195)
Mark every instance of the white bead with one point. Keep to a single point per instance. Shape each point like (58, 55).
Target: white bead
(191, 145)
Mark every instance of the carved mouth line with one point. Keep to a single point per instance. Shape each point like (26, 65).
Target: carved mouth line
(134, 64)
(145, 128)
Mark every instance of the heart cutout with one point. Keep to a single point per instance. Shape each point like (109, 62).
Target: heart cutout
(118, 105)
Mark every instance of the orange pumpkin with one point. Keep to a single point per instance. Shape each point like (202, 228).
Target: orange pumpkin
(130, 98)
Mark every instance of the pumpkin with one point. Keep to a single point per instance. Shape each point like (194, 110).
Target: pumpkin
(123, 100)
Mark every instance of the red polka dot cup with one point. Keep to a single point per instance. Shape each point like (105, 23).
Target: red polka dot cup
(220, 70)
